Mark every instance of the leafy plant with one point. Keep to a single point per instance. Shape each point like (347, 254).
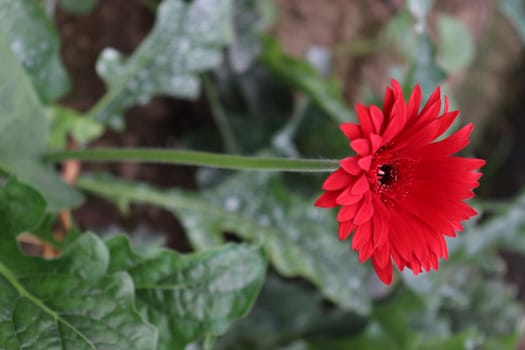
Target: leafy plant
(24, 135)
(34, 41)
(266, 270)
(180, 45)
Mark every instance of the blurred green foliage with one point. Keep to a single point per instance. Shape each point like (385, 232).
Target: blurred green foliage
(515, 12)
(180, 45)
(24, 134)
(78, 7)
(316, 295)
(33, 39)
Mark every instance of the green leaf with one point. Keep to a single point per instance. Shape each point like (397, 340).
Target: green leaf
(472, 292)
(425, 70)
(68, 303)
(282, 309)
(187, 39)
(66, 122)
(288, 310)
(400, 30)
(299, 239)
(34, 41)
(407, 318)
(373, 338)
(501, 230)
(251, 18)
(299, 74)
(190, 296)
(457, 341)
(515, 12)
(78, 7)
(24, 134)
(404, 321)
(415, 45)
(455, 45)
(21, 207)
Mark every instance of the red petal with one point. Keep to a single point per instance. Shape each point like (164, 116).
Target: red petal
(446, 121)
(365, 212)
(452, 144)
(366, 251)
(444, 249)
(416, 137)
(398, 260)
(384, 273)
(382, 255)
(430, 113)
(347, 198)
(424, 130)
(449, 165)
(414, 103)
(388, 103)
(399, 236)
(347, 213)
(434, 264)
(345, 229)
(394, 127)
(376, 141)
(327, 199)
(422, 190)
(400, 104)
(351, 130)
(350, 165)
(381, 222)
(365, 162)
(415, 265)
(360, 146)
(436, 96)
(362, 235)
(361, 185)
(337, 180)
(456, 190)
(377, 118)
(365, 120)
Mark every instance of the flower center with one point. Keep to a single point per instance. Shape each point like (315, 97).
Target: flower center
(386, 174)
(391, 176)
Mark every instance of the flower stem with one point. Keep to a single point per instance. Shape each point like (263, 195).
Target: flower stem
(195, 158)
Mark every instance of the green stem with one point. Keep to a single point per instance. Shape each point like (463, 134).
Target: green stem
(219, 115)
(205, 159)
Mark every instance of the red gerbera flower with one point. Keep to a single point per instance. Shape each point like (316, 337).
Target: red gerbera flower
(403, 191)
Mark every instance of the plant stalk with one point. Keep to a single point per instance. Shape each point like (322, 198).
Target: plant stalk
(195, 158)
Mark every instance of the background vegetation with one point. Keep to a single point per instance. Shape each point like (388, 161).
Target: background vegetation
(135, 256)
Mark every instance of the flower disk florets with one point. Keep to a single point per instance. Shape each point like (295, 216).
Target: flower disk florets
(403, 191)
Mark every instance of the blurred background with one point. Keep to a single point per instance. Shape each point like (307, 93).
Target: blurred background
(292, 71)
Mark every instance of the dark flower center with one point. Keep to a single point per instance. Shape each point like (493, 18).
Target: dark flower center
(386, 174)
(391, 176)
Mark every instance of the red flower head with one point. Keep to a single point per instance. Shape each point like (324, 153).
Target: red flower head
(403, 191)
